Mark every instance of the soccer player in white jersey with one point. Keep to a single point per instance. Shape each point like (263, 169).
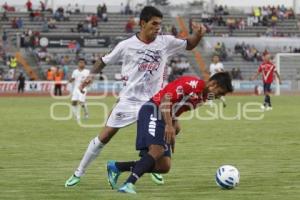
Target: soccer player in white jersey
(144, 57)
(78, 97)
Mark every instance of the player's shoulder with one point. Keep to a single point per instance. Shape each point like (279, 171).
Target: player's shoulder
(127, 41)
(167, 37)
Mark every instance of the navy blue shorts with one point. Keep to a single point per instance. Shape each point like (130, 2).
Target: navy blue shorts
(267, 87)
(150, 129)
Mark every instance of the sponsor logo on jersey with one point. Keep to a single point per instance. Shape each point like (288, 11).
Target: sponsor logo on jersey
(149, 60)
(152, 125)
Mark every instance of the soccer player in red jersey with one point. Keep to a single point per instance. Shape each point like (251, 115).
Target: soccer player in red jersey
(267, 69)
(155, 126)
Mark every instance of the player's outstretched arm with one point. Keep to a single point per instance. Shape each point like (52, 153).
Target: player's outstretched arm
(193, 40)
(278, 77)
(165, 108)
(254, 77)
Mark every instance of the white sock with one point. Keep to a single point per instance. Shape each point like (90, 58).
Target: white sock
(76, 111)
(91, 153)
(85, 108)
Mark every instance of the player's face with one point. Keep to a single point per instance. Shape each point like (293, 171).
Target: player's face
(152, 27)
(267, 57)
(216, 59)
(81, 64)
(216, 90)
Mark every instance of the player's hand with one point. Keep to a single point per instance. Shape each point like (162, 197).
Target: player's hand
(169, 134)
(173, 145)
(199, 28)
(85, 83)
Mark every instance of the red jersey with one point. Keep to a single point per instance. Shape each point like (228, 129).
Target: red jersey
(182, 94)
(267, 69)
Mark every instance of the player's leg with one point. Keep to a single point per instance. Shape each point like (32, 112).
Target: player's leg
(267, 91)
(150, 143)
(142, 166)
(92, 152)
(82, 99)
(118, 118)
(163, 164)
(75, 109)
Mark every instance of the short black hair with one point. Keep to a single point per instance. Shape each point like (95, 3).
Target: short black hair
(148, 12)
(223, 79)
(82, 59)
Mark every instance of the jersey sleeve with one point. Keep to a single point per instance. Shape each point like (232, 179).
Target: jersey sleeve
(259, 69)
(73, 74)
(175, 45)
(115, 55)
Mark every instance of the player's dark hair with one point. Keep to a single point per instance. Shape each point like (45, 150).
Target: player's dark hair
(82, 59)
(148, 12)
(223, 79)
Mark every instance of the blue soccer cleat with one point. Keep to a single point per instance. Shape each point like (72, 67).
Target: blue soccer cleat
(127, 188)
(112, 174)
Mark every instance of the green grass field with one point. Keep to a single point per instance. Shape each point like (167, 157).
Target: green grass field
(37, 154)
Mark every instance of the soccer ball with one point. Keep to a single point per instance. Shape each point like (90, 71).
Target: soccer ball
(227, 177)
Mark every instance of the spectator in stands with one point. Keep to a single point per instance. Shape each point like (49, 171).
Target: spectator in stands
(72, 46)
(241, 24)
(80, 27)
(128, 10)
(43, 6)
(19, 23)
(21, 83)
(69, 9)
(51, 23)
(99, 11)
(4, 39)
(94, 20)
(129, 25)
(77, 48)
(13, 63)
(4, 17)
(77, 9)
(5, 6)
(31, 16)
(45, 27)
(29, 6)
(14, 23)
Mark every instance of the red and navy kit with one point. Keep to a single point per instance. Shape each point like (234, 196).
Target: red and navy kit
(184, 95)
(267, 70)
(182, 92)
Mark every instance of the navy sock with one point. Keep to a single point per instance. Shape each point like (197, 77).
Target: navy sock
(268, 100)
(125, 166)
(145, 164)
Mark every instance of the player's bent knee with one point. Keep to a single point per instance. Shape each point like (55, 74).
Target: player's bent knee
(106, 134)
(163, 165)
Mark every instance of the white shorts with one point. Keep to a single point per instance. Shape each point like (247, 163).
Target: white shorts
(78, 96)
(124, 113)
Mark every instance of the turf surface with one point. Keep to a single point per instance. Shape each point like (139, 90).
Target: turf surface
(37, 153)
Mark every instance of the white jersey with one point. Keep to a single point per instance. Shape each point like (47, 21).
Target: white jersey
(79, 76)
(215, 68)
(144, 65)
